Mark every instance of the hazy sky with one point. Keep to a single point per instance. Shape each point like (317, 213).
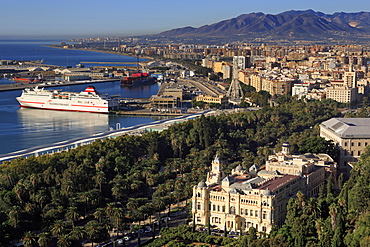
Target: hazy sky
(93, 18)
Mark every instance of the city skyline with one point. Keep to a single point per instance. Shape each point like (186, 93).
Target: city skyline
(72, 19)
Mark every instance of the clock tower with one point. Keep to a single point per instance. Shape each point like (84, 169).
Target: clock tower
(216, 174)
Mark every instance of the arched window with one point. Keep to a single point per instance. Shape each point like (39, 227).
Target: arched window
(232, 210)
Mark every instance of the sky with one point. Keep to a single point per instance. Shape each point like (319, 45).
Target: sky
(111, 18)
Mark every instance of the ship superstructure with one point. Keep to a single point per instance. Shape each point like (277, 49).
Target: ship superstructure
(88, 100)
(137, 79)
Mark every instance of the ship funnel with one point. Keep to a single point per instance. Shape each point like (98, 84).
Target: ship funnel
(90, 89)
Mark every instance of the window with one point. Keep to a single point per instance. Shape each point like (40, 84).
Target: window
(359, 144)
(241, 211)
(264, 215)
(352, 144)
(223, 209)
(198, 207)
(198, 219)
(359, 153)
(251, 213)
(246, 212)
(232, 210)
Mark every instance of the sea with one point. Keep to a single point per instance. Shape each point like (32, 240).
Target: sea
(22, 128)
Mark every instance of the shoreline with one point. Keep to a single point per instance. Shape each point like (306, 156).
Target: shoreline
(108, 52)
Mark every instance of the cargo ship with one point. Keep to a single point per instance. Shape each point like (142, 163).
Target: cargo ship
(27, 80)
(88, 100)
(137, 79)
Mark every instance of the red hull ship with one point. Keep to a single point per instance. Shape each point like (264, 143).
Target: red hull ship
(26, 80)
(136, 79)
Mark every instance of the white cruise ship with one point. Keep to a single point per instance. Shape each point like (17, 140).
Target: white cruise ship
(88, 100)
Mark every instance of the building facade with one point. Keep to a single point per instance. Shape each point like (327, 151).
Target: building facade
(351, 135)
(254, 198)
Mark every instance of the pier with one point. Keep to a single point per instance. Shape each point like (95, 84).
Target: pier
(74, 143)
(21, 86)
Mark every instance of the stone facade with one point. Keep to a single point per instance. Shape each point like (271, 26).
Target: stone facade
(254, 198)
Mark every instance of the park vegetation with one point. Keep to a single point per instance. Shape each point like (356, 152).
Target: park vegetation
(81, 194)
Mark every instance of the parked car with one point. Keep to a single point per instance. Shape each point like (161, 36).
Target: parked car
(166, 218)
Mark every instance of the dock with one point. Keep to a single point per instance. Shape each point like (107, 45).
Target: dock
(21, 86)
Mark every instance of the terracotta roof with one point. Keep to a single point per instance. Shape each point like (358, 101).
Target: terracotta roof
(276, 182)
(240, 179)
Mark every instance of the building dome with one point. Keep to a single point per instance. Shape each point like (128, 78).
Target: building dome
(254, 168)
(286, 144)
(267, 192)
(201, 184)
(239, 168)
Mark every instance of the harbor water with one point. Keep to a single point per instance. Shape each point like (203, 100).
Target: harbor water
(22, 128)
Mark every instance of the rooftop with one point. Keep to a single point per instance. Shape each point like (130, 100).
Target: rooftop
(276, 182)
(348, 127)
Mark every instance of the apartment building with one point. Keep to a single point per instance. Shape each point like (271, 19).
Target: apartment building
(342, 94)
(221, 99)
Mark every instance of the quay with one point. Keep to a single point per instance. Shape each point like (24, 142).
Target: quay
(74, 143)
(21, 86)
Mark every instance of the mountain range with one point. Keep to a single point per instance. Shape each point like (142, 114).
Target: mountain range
(287, 25)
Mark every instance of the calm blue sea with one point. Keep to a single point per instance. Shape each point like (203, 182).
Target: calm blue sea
(37, 50)
(22, 128)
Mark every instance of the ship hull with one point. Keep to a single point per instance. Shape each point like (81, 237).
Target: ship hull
(54, 100)
(65, 107)
(26, 80)
(138, 80)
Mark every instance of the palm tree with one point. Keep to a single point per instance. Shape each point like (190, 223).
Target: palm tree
(83, 198)
(14, 216)
(117, 192)
(40, 197)
(159, 204)
(99, 179)
(19, 190)
(58, 228)
(44, 239)
(117, 216)
(72, 215)
(78, 233)
(132, 204)
(67, 187)
(99, 214)
(29, 239)
(92, 230)
(64, 241)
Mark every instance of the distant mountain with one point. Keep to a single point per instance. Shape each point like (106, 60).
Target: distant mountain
(290, 24)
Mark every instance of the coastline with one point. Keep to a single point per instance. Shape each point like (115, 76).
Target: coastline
(108, 52)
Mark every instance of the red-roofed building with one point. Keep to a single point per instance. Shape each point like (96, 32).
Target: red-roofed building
(253, 198)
